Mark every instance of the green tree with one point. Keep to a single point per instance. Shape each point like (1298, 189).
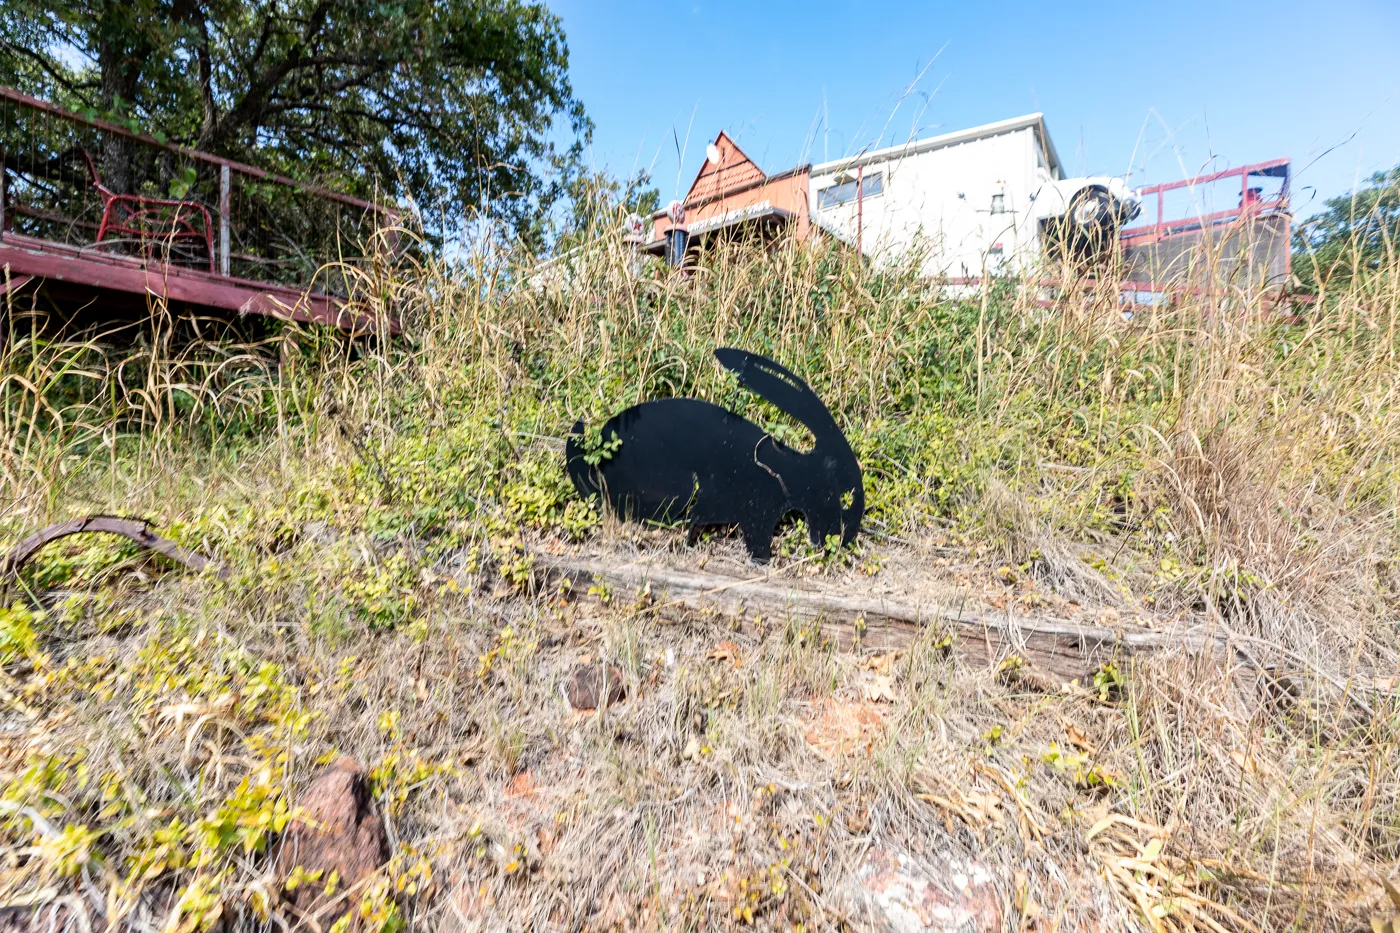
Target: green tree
(1351, 235)
(597, 202)
(462, 105)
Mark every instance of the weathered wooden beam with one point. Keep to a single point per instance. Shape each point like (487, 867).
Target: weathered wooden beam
(1056, 647)
(91, 268)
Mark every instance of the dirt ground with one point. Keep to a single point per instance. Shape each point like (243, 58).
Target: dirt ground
(752, 772)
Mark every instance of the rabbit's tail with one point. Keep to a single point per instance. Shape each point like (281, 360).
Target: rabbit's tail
(766, 378)
(585, 479)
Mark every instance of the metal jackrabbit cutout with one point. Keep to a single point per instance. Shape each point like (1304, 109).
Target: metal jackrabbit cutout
(684, 459)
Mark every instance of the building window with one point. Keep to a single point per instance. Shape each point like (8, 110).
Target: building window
(998, 204)
(844, 191)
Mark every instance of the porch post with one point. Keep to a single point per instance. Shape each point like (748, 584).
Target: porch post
(224, 199)
(860, 207)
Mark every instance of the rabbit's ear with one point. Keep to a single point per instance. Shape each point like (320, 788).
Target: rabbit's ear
(761, 375)
(741, 361)
(766, 378)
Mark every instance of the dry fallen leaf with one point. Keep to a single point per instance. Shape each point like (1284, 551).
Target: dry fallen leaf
(880, 663)
(1080, 740)
(857, 817)
(522, 785)
(725, 651)
(843, 728)
(880, 687)
(973, 807)
(1243, 761)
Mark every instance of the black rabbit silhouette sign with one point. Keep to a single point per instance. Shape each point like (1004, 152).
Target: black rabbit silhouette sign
(677, 460)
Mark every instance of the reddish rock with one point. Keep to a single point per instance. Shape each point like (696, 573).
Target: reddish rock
(337, 830)
(892, 893)
(585, 688)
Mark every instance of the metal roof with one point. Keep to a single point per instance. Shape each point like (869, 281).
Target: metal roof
(1034, 121)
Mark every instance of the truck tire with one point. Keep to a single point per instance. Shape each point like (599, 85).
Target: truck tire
(1091, 209)
(1084, 232)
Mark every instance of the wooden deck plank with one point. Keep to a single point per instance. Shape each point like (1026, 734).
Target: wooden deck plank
(93, 268)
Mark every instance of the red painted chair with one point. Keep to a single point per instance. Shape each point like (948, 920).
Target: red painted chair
(154, 221)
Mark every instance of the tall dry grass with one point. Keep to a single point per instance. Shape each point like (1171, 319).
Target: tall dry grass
(1220, 460)
(1246, 443)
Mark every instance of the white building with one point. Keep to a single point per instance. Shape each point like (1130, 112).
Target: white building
(966, 200)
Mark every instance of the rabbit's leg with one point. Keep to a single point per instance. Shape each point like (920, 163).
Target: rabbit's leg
(759, 541)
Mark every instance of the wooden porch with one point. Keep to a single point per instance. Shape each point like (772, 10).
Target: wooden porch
(94, 213)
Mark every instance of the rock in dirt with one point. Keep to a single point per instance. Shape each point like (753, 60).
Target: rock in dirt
(892, 892)
(338, 830)
(586, 686)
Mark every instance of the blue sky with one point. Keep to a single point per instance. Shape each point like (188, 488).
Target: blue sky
(1164, 90)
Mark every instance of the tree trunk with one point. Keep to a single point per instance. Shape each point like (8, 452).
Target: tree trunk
(120, 53)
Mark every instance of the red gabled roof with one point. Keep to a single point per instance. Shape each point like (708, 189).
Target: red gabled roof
(733, 170)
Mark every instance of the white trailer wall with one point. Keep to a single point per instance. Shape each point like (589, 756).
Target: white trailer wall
(960, 200)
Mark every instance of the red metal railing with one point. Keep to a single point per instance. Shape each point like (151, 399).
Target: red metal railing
(1163, 259)
(1235, 220)
(78, 186)
(1252, 200)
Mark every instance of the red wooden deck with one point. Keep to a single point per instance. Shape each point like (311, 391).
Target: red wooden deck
(203, 231)
(38, 261)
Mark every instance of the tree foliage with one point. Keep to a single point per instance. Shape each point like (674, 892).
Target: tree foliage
(598, 202)
(462, 105)
(1352, 235)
